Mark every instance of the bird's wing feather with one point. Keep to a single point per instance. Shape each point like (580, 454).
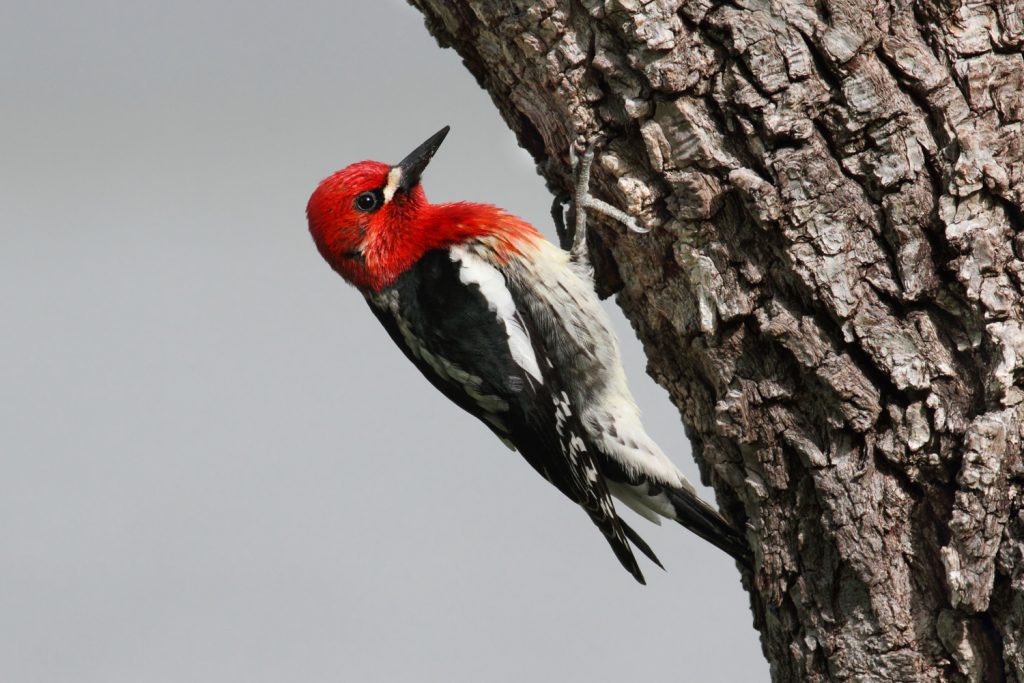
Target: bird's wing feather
(560, 296)
(456, 320)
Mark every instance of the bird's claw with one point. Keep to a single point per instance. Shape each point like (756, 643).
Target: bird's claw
(584, 200)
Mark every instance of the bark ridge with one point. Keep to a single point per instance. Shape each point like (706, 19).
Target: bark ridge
(831, 291)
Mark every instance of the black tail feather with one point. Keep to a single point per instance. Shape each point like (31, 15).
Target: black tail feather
(703, 520)
(625, 553)
(617, 534)
(640, 543)
(694, 514)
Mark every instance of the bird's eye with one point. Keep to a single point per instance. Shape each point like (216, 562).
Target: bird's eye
(369, 201)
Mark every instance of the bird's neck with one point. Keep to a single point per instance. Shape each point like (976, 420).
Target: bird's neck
(395, 250)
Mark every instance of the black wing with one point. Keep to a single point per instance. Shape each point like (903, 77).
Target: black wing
(458, 339)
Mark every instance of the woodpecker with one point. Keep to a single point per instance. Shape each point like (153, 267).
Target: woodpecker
(509, 328)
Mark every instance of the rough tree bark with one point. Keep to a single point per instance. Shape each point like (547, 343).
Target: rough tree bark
(831, 291)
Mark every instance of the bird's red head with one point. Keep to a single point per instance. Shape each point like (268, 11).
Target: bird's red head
(371, 221)
(364, 217)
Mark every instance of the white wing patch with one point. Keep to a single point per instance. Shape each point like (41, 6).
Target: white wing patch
(477, 271)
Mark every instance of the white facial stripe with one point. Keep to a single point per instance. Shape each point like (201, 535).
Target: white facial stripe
(394, 178)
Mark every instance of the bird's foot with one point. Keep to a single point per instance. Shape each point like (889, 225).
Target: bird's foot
(583, 200)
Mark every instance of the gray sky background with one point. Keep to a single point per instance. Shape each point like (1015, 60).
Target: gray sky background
(215, 465)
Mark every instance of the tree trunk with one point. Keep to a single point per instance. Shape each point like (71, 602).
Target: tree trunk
(831, 290)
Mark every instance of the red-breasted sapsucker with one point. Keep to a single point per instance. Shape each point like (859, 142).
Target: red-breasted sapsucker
(508, 327)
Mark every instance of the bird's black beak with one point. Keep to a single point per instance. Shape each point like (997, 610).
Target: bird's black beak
(412, 166)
